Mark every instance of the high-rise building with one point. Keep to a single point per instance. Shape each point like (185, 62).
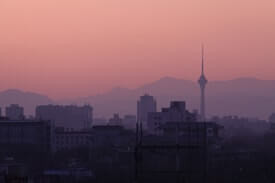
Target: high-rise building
(69, 117)
(15, 112)
(202, 82)
(145, 105)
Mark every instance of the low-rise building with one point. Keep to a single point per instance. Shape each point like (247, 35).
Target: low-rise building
(70, 139)
(191, 132)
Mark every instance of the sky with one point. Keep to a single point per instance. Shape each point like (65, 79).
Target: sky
(72, 48)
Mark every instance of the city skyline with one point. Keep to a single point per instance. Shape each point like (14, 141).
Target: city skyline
(137, 91)
(51, 50)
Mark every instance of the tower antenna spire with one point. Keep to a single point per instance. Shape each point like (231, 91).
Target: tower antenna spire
(202, 82)
(202, 59)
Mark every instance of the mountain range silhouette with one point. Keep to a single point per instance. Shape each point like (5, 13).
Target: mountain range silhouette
(248, 97)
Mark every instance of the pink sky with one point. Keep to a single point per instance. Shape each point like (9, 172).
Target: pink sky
(70, 48)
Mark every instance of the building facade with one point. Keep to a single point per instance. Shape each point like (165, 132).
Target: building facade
(26, 136)
(67, 140)
(191, 132)
(69, 117)
(145, 105)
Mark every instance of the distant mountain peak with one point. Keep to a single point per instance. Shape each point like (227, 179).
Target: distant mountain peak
(119, 89)
(246, 79)
(28, 100)
(18, 92)
(169, 78)
(12, 91)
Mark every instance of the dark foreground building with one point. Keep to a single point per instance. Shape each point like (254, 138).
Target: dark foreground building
(27, 142)
(26, 136)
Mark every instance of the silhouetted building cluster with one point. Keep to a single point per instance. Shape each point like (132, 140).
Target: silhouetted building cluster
(177, 112)
(66, 144)
(235, 126)
(70, 145)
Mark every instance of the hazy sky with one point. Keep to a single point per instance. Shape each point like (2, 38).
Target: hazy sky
(70, 48)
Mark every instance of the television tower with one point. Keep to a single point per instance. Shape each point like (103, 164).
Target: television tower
(202, 82)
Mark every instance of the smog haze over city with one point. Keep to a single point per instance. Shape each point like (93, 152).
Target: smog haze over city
(179, 91)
